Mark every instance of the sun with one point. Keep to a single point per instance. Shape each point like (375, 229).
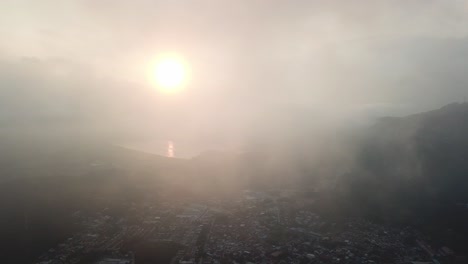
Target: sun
(170, 73)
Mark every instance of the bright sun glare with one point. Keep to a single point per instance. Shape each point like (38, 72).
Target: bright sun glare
(170, 73)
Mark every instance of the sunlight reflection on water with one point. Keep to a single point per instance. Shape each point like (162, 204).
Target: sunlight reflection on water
(167, 148)
(170, 149)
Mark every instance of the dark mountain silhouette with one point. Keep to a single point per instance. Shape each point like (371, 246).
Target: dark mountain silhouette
(427, 151)
(414, 170)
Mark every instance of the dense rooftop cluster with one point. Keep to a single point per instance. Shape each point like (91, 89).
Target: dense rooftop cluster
(257, 228)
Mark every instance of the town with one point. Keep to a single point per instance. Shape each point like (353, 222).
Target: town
(259, 227)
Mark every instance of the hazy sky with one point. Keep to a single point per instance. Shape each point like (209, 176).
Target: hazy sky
(262, 65)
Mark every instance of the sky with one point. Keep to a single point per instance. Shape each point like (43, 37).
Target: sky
(258, 67)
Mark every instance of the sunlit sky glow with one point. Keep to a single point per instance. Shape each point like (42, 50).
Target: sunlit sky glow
(245, 64)
(170, 73)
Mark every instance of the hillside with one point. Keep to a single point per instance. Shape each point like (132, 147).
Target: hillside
(428, 150)
(414, 170)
